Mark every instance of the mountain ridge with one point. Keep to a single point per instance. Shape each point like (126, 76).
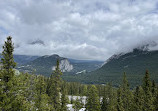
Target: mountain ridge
(133, 63)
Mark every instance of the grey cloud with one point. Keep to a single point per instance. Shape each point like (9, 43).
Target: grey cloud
(81, 29)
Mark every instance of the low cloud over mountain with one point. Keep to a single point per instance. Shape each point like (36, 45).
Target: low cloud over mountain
(80, 29)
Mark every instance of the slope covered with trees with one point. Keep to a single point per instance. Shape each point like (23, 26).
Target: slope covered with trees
(133, 63)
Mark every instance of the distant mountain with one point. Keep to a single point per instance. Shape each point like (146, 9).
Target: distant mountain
(23, 59)
(134, 64)
(46, 64)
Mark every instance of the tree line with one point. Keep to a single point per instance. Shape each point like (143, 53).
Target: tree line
(29, 92)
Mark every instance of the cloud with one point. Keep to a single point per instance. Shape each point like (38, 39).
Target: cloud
(80, 29)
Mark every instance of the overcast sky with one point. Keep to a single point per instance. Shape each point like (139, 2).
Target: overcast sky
(79, 29)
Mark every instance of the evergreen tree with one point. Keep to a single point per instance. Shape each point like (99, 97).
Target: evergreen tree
(109, 102)
(7, 75)
(125, 96)
(139, 99)
(54, 87)
(146, 82)
(77, 104)
(8, 61)
(42, 99)
(20, 104)
(93, 100)
(120, 104)
(1, 90)
(154, 88)
(84, 90)
(148, 104)
(156, 102)
(64, 101)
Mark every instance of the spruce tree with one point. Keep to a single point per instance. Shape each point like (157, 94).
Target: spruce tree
(139, 99)
(54, 87)
(109, 102)
(149, 101)
(7, 75)
(146, 82)
(8, 61)
(93, 100)
(156, 102)
(120, 104)
(64, 101)
(154, 88)
(77, 104)
(41, 99)
(1, 90)
(125, 99)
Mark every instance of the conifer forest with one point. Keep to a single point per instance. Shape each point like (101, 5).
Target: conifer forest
(78, 55)
(32, 92)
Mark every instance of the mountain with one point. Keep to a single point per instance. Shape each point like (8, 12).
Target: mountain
(133, 63)
(23, 59)
(46, 64)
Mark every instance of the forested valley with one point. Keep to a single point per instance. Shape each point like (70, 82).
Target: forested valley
(31, 92)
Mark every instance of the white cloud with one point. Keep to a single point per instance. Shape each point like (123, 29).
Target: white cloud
(81, 29)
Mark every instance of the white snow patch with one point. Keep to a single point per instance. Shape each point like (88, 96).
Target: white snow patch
(84, 71)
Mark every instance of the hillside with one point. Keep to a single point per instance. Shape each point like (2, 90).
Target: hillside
(46, 64)
(134, 64)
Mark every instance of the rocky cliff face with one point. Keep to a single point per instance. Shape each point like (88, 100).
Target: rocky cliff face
(65, 66)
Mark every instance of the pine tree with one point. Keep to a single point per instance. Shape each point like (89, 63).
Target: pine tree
(154, 88)
(148, 105)
(7, 74)
(120, 104)
(125, 96)
(139, 99)
(20, 104)
(156, 102)
(109, 102)
(146, 82)
(54, 87)
(64, 101)
(77, 104)
(8, 61)
(84, 90)
(93, 100)
(41, 101)
(1, 90)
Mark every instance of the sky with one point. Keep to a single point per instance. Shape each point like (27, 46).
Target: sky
(79, 29)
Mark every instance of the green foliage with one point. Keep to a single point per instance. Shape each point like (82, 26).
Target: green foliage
(7, 75)
(78, 104)
(109, 102)
(125, 96)
(139, 99)
(93, 100)
(54, 87)
(7, 60)
(147, 87)
(64, 101)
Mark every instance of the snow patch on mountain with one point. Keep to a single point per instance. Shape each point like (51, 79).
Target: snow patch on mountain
(84, 71)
